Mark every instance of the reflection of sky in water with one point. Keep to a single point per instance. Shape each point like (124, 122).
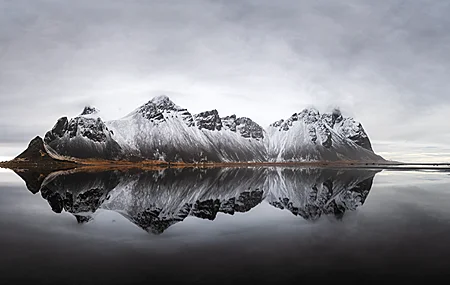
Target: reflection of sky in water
(422, 177)
(10, 150)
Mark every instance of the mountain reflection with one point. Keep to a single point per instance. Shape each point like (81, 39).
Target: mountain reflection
(155, 200)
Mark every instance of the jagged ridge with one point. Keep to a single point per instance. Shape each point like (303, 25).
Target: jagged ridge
(161, 130)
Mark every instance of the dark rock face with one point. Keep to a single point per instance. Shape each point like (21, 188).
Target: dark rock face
(356, 133)
(88, 110)
(332, 118)
(35, 152)
(93, 129)
(348, 127)
(58, 130)
(277, 124)
(229, 122)
(249, 129)
(244, 126)
(37, 156)
(83, 137)
(208, 120)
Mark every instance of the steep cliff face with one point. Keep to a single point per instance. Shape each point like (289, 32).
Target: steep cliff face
(348, 128)
(209, 120)
(85, 136)
(309, 135)
(244, 126)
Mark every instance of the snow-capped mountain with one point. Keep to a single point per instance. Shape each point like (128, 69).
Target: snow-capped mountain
(85, 136)
(156, 200)
(162, 130)
(309, 135)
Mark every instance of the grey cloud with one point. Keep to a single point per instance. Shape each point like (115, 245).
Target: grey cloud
(384, 62)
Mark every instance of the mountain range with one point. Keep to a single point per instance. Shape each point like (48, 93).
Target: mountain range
(160, 130)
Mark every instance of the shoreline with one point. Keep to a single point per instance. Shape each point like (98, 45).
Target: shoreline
(158, 165)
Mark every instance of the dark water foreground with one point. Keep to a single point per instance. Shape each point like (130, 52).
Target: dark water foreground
(224, 226)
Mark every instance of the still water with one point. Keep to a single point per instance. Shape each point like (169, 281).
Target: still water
(222, 226)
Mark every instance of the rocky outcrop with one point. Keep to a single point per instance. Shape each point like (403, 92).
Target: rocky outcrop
(348, 128)
(244, 126)
(309, 135)
(156, 110)
(208, 120)
(85, 136)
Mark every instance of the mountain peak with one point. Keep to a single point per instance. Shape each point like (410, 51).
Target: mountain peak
(160, 103)
(161, 99)
(244, 126)
(160, 108)
(89, 110)
(35, 149)
(37, 153)
(209, 120)
(336, 112)
(309, 112)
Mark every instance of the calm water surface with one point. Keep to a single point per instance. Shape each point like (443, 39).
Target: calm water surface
(222, 226)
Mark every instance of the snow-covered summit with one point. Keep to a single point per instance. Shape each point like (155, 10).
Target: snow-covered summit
(160, 108)
(89, 110)
(85, 136)
(161, 99)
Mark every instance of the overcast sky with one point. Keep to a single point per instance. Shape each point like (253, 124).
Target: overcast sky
(386, 63)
